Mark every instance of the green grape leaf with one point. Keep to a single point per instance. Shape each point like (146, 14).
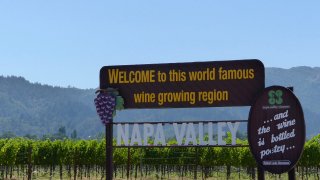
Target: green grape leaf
(119, 103)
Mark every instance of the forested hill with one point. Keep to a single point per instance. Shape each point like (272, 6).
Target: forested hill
(32, 108)
(27, 108)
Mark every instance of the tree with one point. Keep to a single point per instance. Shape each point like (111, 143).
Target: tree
(30, 136)
(73, 134)
(8, 135)
(61, 134)
(62, 130)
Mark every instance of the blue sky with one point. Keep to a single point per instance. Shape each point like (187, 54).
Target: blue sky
(65, 43)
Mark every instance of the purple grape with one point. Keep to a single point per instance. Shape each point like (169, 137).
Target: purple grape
(105, 105)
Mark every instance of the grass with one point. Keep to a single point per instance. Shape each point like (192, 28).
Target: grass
(216, 174)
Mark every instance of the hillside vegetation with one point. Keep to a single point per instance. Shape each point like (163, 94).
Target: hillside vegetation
(33, 108)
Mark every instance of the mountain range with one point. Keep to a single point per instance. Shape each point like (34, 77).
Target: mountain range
(37, 109)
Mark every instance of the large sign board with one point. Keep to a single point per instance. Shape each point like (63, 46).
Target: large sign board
(276, 129)
(197, 84)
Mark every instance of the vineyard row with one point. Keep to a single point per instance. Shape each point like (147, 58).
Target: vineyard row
(91, 153)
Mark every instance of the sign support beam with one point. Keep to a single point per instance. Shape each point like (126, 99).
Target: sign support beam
(292, 172)
(109, 151)
(260, 173)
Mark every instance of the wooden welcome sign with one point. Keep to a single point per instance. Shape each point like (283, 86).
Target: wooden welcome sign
(178, 85)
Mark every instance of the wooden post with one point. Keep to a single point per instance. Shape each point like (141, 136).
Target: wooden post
(109, 150)
(30, 163)
(260, 173)
(128, 163)
(292, 172)
(196, 164)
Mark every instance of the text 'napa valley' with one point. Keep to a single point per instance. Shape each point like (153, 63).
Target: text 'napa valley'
(202, 133)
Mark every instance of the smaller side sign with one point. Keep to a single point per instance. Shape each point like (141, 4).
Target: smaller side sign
(276, 129)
